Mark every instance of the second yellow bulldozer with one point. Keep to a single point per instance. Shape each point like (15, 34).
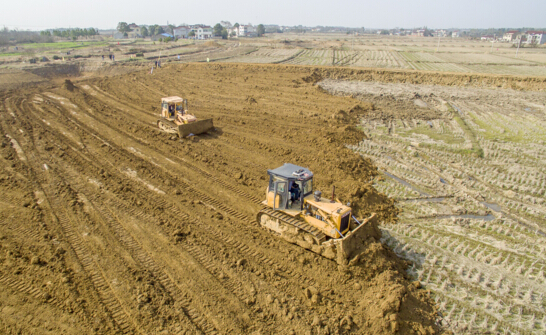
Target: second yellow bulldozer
(176, 119)
(300, 215)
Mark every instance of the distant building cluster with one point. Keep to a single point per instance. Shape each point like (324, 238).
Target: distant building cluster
(528, 37)
(200, 32)
(531, 37)
(204, 32)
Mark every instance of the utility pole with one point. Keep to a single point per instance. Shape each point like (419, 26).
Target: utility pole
(519, 43)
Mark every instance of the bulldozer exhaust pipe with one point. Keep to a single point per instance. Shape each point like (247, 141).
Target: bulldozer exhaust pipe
(333, 193)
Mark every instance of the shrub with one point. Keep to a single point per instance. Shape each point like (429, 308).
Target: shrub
(56, 57)
(140, 54)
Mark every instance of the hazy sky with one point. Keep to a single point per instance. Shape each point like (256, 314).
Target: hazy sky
(103, 14)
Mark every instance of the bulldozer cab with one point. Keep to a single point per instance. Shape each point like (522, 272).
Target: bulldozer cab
(288, 186)
(171, 106)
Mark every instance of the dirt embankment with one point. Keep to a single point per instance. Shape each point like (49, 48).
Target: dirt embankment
(429, 78)
(159, 235)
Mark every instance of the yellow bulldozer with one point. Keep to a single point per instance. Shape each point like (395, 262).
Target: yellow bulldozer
(176, 119)
(300, 215)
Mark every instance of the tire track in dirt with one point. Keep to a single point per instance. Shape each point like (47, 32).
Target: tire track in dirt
(23, 287)
(217, 205)
(144, 258)
(95, 273)
(140, 255)
(180, 160)
(129, 242)
(241, 247)
(201, 195)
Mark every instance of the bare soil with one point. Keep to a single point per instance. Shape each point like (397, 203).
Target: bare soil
(109, 226)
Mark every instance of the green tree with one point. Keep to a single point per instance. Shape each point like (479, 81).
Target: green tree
(191, 34)
(217, 30)
(159, 29)
(144, 31)
(224, 34)
(171, 29)
(123, 27)
(260, 30)
(236, 25)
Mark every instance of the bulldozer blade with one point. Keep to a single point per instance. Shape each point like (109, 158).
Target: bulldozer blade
(197, 127)
(354, 243)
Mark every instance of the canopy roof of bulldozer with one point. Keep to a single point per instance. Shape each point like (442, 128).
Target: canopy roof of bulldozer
(173, 99)
(291, 171)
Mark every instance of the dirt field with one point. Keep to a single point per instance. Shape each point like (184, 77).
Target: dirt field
(109, 226)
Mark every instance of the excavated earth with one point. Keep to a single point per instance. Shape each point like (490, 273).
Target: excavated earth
(109, 226)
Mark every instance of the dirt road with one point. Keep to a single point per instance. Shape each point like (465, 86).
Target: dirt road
(109, 226)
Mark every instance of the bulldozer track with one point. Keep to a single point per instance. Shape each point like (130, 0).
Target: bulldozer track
(22, 287)
(22, 231)
(183, 162)
(230, 284)
(144, 258)
(106, 293)
(294, 222)
(93, 270)
(203, 197)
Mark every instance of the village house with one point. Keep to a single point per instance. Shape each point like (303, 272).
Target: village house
(510, 36)
(535, 37)
(242, 31)
(181, 32)
(488, 38)
(455, 33)
(203, 32)
(135, 31)
(441, 33)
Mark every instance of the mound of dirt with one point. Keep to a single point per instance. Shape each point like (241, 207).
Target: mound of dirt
(213, 44)
(428, 78)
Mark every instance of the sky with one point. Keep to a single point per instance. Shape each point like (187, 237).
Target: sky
(105, 14)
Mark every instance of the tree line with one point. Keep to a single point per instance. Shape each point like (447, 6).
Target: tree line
(71, 33)
(12, 37)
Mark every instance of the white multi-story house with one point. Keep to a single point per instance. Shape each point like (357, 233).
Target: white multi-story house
(510, 36)
(535, 37)
(203, 32)
(242, 31)
(455, 33)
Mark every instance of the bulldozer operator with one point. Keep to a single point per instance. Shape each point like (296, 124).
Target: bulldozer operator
(294, 192)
